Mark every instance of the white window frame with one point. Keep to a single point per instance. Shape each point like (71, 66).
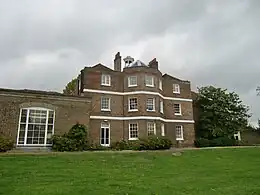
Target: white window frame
(151, 127)
(105, 80)
(152, 80)
(129, 130)
(153, 104)
(238, 135)
(161, 106)
(162, 129)
(129, 104)
(177, 113)
(176, 88)
(160, 84)
(129, 81)
(28, 122)
(105, 125)
(101, 102)
(179, 128)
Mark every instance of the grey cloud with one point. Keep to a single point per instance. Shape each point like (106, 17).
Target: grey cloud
(43, 44)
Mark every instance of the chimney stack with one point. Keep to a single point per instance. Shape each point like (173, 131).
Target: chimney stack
(117, 62)
(153, 64)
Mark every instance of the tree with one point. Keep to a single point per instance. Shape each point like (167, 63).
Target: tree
(71, 87)
(221, 114)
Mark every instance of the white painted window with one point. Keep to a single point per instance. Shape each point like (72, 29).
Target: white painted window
(160, 84)
(177, 109)
(105, 134)
(132, 81)
(179, 132)
(106, 80)
(133, 131)
(161, 106)
(162, 129)
(105, 104)
(132, 104)
(36, 127)
(237, 136)
(149, 81)
(150, 104)
(151, 128)
(176, 88)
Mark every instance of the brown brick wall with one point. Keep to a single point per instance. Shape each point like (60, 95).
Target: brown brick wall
(68, 110)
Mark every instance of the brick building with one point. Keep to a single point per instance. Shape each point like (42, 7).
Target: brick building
(124, 103)
(136, 101)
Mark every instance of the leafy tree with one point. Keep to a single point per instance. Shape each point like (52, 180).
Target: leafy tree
(221, 114)
(71, 87)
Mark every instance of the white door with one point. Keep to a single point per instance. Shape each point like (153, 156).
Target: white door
(105, 135)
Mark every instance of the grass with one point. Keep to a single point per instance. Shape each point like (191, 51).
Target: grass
(207, 172)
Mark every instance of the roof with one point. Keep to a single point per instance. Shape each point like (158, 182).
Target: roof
(136, 63)
(39, 92)
(166, 75)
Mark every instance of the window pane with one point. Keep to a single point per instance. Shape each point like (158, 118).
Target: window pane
(150, 104)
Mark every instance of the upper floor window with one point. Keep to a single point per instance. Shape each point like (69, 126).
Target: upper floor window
(36, 126)
(105, 104)
(106, 80)
(132, 104)
(132, 81)
(149, 81)
(177, 109)
(133, 131)
(160, 84)
(150, 104)
(176, 88)
(161, 106)
(179, 132)
(151, 128)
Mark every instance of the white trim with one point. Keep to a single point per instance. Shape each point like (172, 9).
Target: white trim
(136, 93)
(162, 129)
(160, 84)
(105, 109)
(153, 110)
(103, 126)
(176, 86)
(133, 138)
(177, 114)
(132, 110)
(109, 80)
(129, 81)
(141, 118)
(148, 85)
(179, 139)
(161, 107)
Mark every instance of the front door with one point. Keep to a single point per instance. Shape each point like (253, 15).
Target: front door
(105, 134)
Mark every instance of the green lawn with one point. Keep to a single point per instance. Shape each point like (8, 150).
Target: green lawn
(207, 172)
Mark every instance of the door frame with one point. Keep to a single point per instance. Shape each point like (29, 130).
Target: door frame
(105, 125)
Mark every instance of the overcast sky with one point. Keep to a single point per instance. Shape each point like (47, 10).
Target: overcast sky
(45, 43)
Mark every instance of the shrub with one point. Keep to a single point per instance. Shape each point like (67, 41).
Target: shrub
(6, 144)
(74, 140)
(150, 143)
(220, 141)
(96, 147)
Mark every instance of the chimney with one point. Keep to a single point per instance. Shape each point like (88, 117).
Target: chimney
(153, 64)
(117, 62)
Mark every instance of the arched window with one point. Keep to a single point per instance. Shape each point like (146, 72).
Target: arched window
(36, 126)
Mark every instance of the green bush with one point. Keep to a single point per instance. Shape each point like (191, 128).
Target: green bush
(220, 141)
(6, 144)
(150, 143)
(74, 140)
(96, 147)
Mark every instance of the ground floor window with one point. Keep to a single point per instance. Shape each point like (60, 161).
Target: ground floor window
(151, 128)
(36, 126)
(179, 132)
(105, 134)
(133, 131)
(162, 129)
